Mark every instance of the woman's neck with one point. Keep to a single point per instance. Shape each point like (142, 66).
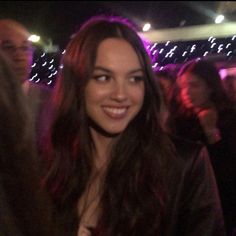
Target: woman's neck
(102, 148)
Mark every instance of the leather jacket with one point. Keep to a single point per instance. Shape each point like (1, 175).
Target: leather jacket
(193, 207)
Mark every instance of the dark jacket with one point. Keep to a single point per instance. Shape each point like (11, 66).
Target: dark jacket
(38, 97)
(222, 155)
(193, 206)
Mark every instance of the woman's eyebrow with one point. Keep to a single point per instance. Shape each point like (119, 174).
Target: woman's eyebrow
(136, 71)
(103, 69)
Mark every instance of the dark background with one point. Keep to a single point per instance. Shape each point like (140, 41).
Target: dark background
(58, 20)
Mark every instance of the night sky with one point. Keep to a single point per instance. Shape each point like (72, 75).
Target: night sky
(59, 19)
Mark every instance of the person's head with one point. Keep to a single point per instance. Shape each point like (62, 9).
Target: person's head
(12, 104)
(200, 85)
(229, 83)
(108, 74)
(15, 44)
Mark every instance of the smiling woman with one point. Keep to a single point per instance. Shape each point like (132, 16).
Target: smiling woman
(115, 94)
(110, 168)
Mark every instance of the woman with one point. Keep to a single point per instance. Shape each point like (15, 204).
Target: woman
(203, 112)
(111, 170)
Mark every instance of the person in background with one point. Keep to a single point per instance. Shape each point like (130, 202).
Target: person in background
(201, 111)
(167, 79)
(15, 45)
(25, 207)
(229, 83)
(109, 166)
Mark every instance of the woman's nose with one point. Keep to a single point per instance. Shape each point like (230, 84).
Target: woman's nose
(119, 92)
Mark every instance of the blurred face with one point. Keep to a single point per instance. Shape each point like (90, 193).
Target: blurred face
(14, 44)
(115, 93)
(194, 92)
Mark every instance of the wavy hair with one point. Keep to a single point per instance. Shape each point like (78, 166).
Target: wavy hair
(25, 209)
(134, 190)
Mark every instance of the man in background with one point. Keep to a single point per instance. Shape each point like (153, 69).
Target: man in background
(15, 45)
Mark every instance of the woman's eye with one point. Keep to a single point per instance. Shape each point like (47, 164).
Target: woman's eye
(101, 78)
(136, 79)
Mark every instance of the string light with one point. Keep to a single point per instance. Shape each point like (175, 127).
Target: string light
(154, 52)
(213, 45)
(161, 51)
(167, 43)
(209, 39)
(155, 65)
(154, 45)
(163, 54)
(44, 64)
(213, 39)
(34, 76)
(49, 82)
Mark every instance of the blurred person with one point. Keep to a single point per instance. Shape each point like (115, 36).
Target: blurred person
(110, 168)
(15, 45)
(25, 209)
(201, 111)
(167, 80)
(229, 83)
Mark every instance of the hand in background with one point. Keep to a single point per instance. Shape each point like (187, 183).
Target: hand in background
(208, 119)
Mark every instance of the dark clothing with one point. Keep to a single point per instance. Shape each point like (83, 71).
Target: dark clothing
(38, 97)
(193, 206)
(222, 155)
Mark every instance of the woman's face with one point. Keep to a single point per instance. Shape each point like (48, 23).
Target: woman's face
(194, 92)
(115, 93)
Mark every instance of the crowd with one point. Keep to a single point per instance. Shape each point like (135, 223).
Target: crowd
(114, 148)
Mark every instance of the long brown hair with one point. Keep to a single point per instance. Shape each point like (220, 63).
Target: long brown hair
(25, 209)
(134, 190)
